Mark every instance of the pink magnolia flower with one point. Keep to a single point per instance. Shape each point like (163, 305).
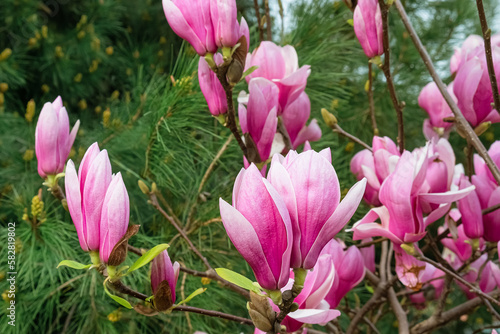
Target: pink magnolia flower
(86, 193)
(280, 65)
(368, 27)
(258, 224)
(191, 21)
(350, 270)
(313, 308)
(487, 282)
(405, 197)
(310, 188)
(53, 140)
(114, 216)
(471, 46)
(488, 193)
(431, 100)
(473, 89)
(225, 22)
(376, 166)
(211, 87)
(295, 117)
(259, 117)
(162, 269)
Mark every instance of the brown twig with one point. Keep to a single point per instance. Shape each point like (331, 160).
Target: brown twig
(461, 122)
(370, 99)
(457, 277)
(487, 50)
(432, 323)
(205, 178)
(370, 243)
(268, 21)
(122, 288)
(221, 72)
(157, 206)
(213, 275)
(386, 68)
(259, 20)
(216, 314)
(353, 138)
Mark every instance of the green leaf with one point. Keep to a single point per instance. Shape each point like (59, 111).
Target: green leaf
(74, 264)
(191, 296)
(350, 22)
(237, 279)
(369, 288)
(117, 299)
(148, 257)
(248, 72)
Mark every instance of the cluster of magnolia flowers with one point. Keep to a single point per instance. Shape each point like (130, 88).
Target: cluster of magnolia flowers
(276, 83)
(284, 222)
(471, 90)
(97, 199)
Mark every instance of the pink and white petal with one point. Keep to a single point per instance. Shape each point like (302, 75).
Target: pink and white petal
(314, 316)
(336, 222)
(74, 199)
(246, 241)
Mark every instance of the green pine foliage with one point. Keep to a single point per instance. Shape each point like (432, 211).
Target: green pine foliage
(142, 103)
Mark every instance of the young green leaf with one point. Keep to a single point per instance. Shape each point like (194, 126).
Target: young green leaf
(248, 72)
(191, 296)
(237, 279)
(74, 264)
(148, 257)
(117, 299)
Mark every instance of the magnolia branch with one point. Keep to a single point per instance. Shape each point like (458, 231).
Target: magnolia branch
(432, 323)
(462, 124)
(386, 68)
(489, 56)
(370, 99)
(122, 288)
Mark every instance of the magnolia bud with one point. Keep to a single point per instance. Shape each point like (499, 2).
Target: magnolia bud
(329, 118)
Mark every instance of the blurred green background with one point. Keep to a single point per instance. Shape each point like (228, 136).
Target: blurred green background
(133, 84)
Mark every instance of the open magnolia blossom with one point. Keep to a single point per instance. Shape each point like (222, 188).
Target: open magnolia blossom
(279, 64)
(310, 188)
(418, 185)
(375, 166)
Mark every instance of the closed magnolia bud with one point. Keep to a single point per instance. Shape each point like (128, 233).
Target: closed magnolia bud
(164, 277)
(329, 118)
(114, 217)
(211, 87)
(53, 140)
(191, 21)
(85, 193)
(144, 188)
(367, 22)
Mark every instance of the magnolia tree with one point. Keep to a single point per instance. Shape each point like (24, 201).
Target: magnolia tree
(287, 207)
